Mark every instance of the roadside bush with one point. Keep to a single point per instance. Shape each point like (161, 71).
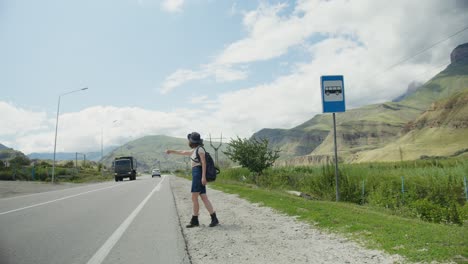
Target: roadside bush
(430, 190)
(236, 174)
(69, 164)
(429, 211)
(253, 154)
(387, 194)
(5, 175)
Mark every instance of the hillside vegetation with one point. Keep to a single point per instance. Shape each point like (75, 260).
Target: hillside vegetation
(6, 154)
(430, 121)
(150, 152)
(440, 131)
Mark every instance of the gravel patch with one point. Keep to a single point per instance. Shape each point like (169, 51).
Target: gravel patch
(18, 188)
(249, 233)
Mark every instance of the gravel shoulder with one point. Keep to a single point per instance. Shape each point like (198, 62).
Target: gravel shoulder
(250, 233)
(19, 188)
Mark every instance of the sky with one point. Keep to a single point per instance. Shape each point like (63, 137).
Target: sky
(170, 67)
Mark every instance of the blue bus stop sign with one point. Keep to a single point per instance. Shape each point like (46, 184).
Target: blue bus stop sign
(333, 95)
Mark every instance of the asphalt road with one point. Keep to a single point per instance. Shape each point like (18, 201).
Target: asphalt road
(112, 222)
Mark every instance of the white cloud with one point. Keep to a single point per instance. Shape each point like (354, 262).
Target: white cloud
(180, 77)
(359, 39)
(387, 31)
(81, 131)
(270, 36)
(220, 73)
(17, 121)
(172, 5)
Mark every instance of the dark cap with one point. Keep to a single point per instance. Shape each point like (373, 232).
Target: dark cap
(194, 137)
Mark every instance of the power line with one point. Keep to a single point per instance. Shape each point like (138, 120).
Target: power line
(433, 69)
(422, 51)
(439, 66)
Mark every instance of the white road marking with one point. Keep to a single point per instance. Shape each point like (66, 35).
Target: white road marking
(102, 253)
(56, 200)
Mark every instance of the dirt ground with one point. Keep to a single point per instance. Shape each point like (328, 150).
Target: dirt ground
(17, 188)
(250, 233)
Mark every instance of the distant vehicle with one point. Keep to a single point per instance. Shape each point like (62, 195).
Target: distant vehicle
(155, 172)
(124, 167)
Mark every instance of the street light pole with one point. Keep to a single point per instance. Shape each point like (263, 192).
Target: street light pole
(102, 145)
(56, 127)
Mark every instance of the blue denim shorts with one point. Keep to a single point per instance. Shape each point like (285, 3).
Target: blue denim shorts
(197, 186)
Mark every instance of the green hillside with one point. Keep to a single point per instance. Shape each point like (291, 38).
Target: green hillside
(149, 150)
(7, 154)
(440, 131)
(380, 132)
(450, 81)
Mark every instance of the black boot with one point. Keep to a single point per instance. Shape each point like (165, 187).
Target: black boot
(194, 222)
(214, 220)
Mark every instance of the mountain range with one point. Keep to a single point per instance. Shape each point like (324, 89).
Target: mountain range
(430, 119)
(3, 147)
(149, 152)
(93, 155)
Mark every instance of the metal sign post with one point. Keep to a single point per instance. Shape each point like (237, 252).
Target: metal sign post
(333, 100)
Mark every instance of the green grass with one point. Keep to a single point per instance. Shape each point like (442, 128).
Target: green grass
(433, 189)
(374, 228)
(428, 222)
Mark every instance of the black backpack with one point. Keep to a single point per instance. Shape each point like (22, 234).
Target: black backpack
(211, 169)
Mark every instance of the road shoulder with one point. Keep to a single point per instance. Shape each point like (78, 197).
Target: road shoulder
(19, 188)
(250, 233)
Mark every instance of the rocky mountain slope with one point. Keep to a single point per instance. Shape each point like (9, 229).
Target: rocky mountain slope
(371, 133)
(442, 130)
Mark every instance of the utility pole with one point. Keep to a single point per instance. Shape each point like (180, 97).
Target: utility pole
(216, 148)
(76, 158)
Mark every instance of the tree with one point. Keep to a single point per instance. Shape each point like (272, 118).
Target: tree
(20, 160)
(69, 164)
(253, 154)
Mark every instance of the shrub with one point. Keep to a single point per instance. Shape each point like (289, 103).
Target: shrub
(253, 154)
(432, 190)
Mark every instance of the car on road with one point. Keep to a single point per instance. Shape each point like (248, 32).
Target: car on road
(155, 172)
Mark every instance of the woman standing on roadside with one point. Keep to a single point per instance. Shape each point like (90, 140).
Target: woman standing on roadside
(197, 155)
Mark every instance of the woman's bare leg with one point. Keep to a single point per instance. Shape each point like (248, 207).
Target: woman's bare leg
(196, 205)
(207, 203)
